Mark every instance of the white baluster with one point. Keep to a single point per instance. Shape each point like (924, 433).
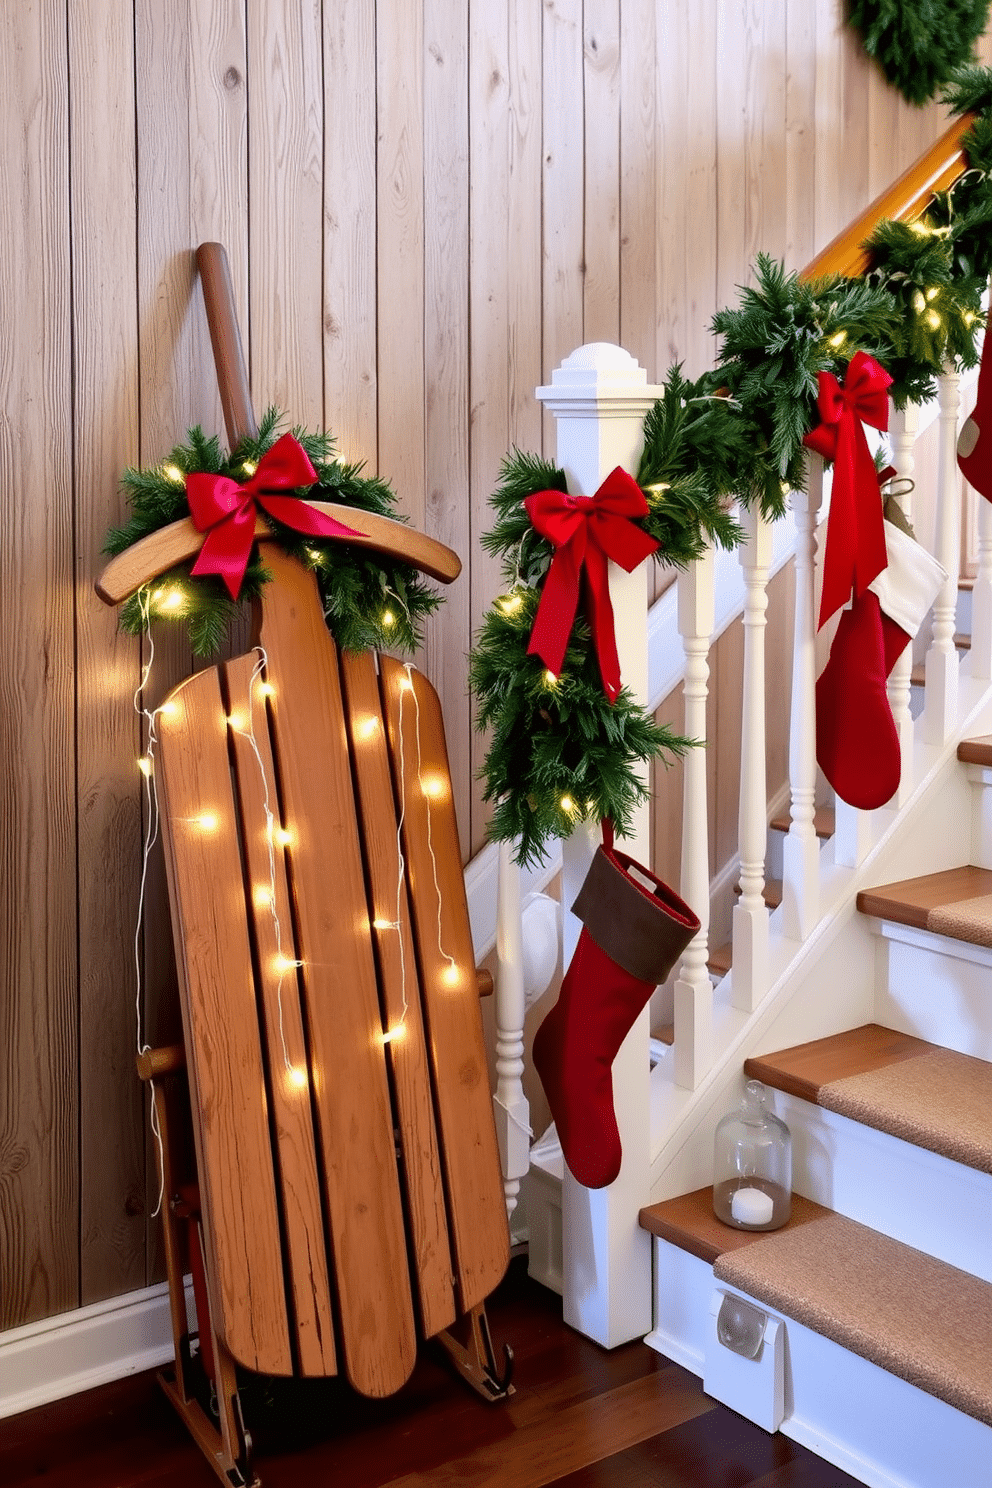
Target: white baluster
(510, 1105)
(903, 429)
(940, 707)
(693, 987)
(750, 965)
(981, 598)
(800, 851)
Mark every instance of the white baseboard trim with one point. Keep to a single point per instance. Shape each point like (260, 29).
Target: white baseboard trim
(91, 1346)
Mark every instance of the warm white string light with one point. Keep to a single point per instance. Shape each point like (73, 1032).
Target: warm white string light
(265, 895)
(450, 976)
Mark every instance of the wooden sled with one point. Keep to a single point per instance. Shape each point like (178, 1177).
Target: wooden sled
(347, 1200)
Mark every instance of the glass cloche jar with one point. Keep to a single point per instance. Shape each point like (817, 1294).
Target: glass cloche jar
(752, 1165)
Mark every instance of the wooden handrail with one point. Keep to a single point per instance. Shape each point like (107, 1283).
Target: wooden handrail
(903, 201)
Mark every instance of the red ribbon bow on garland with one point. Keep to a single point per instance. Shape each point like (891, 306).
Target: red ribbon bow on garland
(586, 530)
(226, 511)
(855, 552)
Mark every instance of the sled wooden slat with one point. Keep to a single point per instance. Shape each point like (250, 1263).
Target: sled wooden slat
(406, 1049)
(480, 1241)
(224, 1051)
(340, 989)
(289, 1079)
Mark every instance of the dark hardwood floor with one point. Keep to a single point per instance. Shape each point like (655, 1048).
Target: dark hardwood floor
(581, 1417)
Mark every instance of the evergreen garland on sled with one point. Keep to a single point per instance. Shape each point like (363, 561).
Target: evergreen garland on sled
(369, 599)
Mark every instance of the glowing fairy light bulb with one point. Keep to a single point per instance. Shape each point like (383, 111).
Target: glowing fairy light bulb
(392, 1034)
(249, 467)
(451, 976)
(388, 619)
(315, 556)
(381, 924)
(920, 228)
(550, 680)
(567, 804)
(433, 787)
(169, 710)
(207, 821)
(510, 604)
(368, 728)
(266, 690)
(968, 317)
(282, 835)
(837, 339)
(919, 303)
(283, 965)
(145, 765)
(237, 721)
(173, 473)
(262, 896)
(297, 1077)
(933, 320)
(933, 292)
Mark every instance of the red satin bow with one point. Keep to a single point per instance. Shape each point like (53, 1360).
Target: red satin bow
(855, 552)
(589, 530)
(226, 511)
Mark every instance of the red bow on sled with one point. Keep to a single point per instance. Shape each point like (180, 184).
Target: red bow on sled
(855, 551)
(226, 511)
(586, 530)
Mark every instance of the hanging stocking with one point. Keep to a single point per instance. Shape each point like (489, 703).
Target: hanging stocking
(631, 938)
(857, 746)
(975, 439)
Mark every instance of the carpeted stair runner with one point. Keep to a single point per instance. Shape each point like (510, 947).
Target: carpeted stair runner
(956, 903)
(912, 1315)
(926, 1095)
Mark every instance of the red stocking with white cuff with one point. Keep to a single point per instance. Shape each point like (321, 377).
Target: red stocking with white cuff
(631, 937)
(975, 439)
(857, 746)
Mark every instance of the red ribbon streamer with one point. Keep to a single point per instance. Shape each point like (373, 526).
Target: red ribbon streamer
(855, 552)
(226, 511)
(586, 530)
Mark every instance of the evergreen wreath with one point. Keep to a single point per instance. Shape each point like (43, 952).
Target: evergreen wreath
(369, 599)
(919, 43)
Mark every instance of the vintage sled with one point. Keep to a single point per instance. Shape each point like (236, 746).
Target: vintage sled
(347, 1199)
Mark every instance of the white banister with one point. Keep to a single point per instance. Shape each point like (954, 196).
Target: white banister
(940, 707)
(510, 1105)
(599, 396)
(981, 598)
(903, 428)
(693, 987)
(800, 851)
(750, 920)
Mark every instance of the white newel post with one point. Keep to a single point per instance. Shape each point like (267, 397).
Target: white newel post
(940, 707)
(511, 1107)
(599, 396)
(693, 987)
(800, 851)
(903, 429)
(750, 965)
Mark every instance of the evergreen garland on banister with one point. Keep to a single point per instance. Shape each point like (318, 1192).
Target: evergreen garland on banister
(559, 751)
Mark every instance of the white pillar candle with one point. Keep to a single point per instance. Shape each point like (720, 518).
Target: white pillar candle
(751, 1206)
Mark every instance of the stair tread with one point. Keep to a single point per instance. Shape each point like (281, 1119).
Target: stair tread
(824, 821)
(932, 1097)
(976, 751)
(956, 902)
(913, 1315)
(689, 1222)
(721, 960)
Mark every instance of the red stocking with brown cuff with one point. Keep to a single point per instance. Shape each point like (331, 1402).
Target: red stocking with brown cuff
(857, 746)
(632, 936)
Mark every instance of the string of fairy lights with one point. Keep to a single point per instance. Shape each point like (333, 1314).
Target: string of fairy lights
(265, 893)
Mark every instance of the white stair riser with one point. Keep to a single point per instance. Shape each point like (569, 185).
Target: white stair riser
(884, 1432)
(916, 1196)
(934, 988)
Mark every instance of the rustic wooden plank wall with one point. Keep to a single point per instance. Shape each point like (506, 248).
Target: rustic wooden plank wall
(426, 207)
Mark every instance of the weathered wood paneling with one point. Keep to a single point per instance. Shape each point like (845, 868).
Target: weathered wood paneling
(426, 207)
